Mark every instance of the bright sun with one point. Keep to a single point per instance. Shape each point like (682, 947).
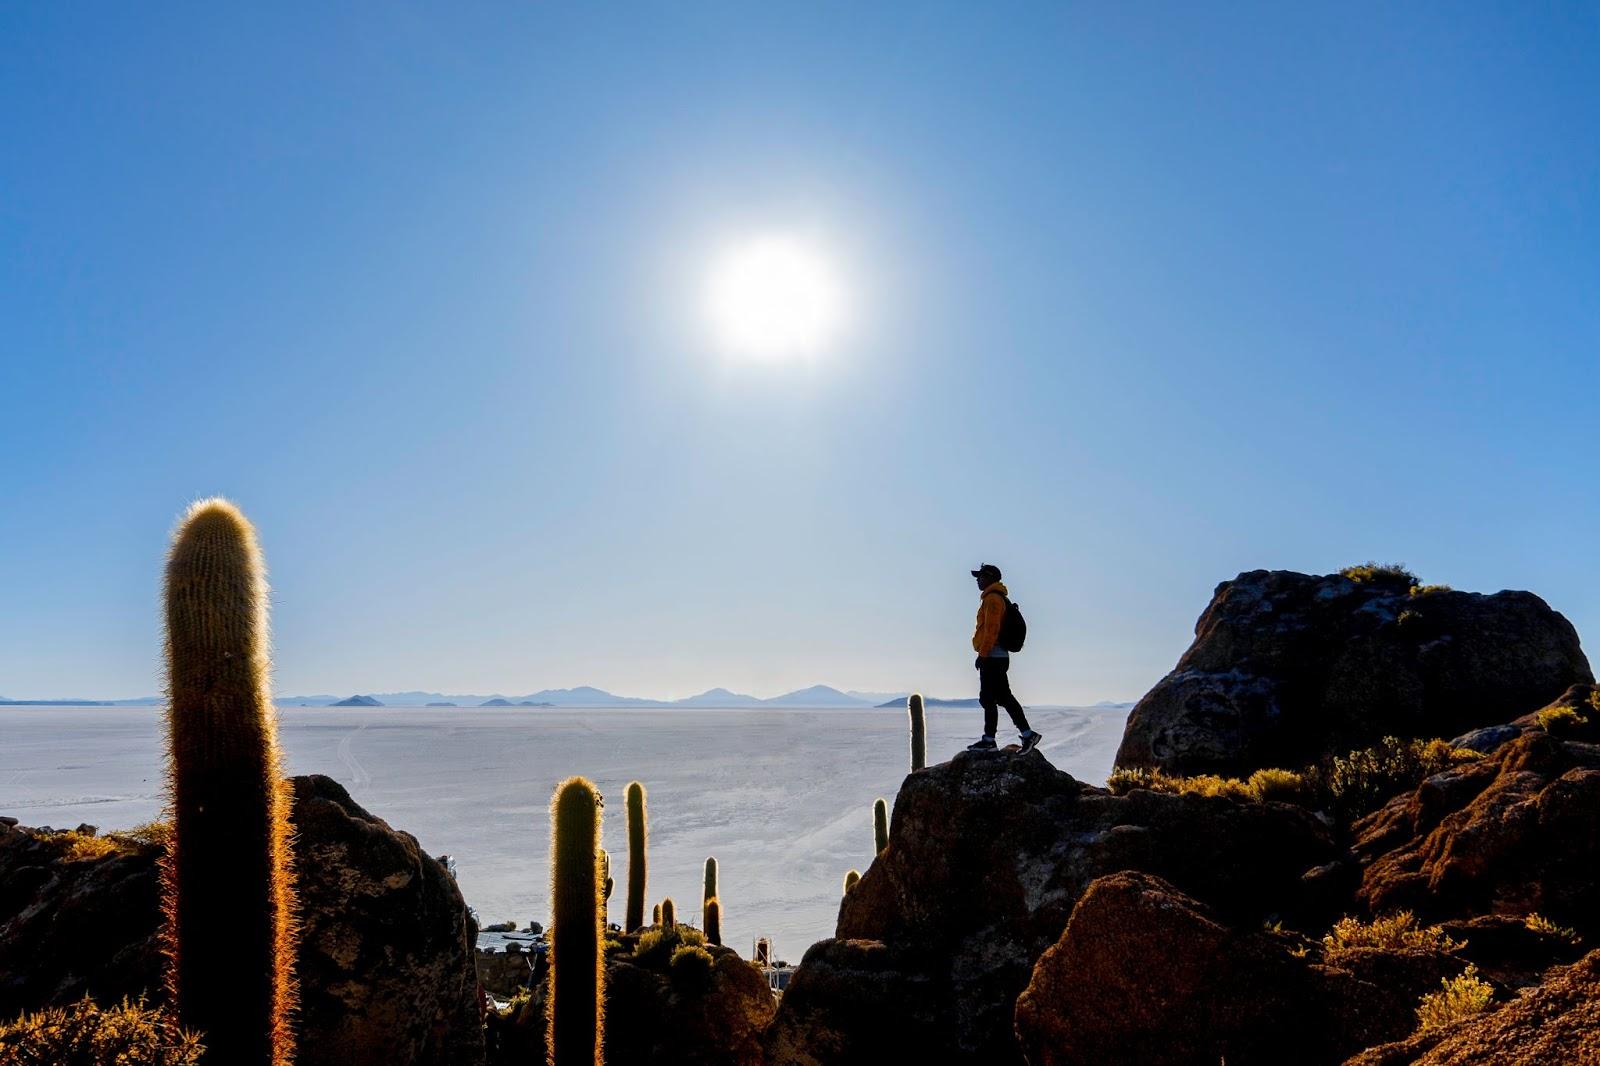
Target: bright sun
(774, 297)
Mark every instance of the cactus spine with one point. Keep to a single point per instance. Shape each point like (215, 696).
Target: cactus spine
(850, 880)
(880, 825)
(228, 879)
(669, 915)
(919, 732)
(638, 840)
(577, 956)
(714, 921)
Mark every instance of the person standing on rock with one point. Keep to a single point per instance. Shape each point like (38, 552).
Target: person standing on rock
(1000, 632)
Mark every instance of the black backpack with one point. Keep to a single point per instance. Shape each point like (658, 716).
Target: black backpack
(1013, 628)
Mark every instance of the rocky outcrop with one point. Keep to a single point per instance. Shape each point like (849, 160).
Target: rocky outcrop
(1287, 667)
(853, 1001)
(1144, 973)
(73, 927)
(1512, 834)
(1557, 1022)
(653, 1016)
(987, 856)
(385, 964)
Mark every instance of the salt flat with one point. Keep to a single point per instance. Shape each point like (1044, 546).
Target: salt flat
(782, 798)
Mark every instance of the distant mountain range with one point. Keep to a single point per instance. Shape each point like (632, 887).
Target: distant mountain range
(582, 696)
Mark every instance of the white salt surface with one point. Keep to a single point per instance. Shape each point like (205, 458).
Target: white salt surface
(782, 798)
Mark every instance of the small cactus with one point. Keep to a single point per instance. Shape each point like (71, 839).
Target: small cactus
(710, 887)
(655, 916)
(576, 1005)
(669, 915)
(919, 732)
(714, 920)
(880, 825)
(638, 840)
(606, 884)
(227, 879)
(850, 880)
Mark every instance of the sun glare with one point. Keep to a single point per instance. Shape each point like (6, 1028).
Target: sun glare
(772, 298)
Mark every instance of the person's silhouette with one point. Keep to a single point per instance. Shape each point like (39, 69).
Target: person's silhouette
(994, 663)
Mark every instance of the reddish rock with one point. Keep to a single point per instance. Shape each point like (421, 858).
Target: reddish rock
(987, 856)
(1514, 834)
(1557, 1022)
(1286, 668)
(1145, 974)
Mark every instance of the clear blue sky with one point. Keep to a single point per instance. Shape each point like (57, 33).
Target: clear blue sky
(1145, 296)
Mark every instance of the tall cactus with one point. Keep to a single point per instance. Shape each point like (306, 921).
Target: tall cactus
(880, 825)
(919, 732)
(709, 890)
(850, 880)
(576, 1007)
(714, 920)
(669, 915)
(228, 879)
(638, 843)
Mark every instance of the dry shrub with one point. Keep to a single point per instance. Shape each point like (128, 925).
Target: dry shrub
(1460, 997)
(1396, 932)
(84, 1034)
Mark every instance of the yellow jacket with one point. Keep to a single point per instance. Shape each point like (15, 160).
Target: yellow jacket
(991, 609)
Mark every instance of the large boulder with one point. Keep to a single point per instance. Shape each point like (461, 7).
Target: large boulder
(1557, 1022)
(987, 856)
(385, 963)
(72, 925)
(1286, 668)
(1513, 834)
(663, 1015)
(1145, 974)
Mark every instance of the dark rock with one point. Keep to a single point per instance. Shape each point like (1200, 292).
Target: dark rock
(1286, 668)
(1513, 834)
(654, 1016)
(1145, 974)
(385, 964)
(987, 856)
(1509, 952)
(386, 946)
(849, 1001)
(1557, 1022)
(73, 929)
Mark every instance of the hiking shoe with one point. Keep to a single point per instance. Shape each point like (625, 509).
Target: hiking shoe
(982, 744)
(1030, 740)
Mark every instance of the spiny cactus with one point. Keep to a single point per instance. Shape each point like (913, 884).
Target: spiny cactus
(655, 915)
(919, 732)
(638, 841)
(669, 915)
(714, 920)
(880, 825)
(228, 880)
(710, 887)
(576, 1003)
(850, 880)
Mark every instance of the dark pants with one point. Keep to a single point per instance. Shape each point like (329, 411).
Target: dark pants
(994, 692)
